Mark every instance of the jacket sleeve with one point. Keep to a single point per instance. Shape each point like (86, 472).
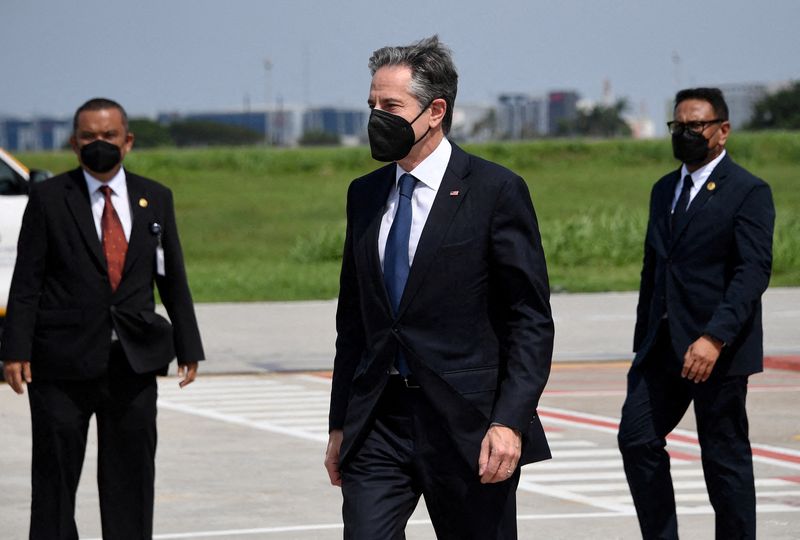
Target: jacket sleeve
(26, 283)
(521, 293)
(753, 226)
(174, 290)
(350, 337)
(647, 282)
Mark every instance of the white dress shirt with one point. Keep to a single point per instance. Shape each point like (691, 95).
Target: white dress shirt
(699, 178)
(119, 198)
(429, 173)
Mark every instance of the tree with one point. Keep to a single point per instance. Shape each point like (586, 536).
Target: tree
(599, 121)
(208, 133)
(149, 134)
(780, 110)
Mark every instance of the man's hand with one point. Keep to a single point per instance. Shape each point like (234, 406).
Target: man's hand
(332, 457)
(187, 373)
(500, 451)
(17, 372)
(700, 358)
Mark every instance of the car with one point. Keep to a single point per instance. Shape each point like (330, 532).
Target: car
(15, 181)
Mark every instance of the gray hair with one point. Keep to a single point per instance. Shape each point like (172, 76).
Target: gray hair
(433, 74)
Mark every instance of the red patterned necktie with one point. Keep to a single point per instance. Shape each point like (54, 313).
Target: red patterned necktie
(115, 246)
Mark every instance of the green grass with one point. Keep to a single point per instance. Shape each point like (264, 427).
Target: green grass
(268, 224)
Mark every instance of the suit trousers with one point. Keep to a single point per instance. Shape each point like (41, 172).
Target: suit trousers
(407, 453)
(657, 399)
(124, 404)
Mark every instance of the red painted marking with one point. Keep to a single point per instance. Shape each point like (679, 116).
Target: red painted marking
(683, 455)
(772, 454)
(790, 363)
(579, 419)
(677, 437)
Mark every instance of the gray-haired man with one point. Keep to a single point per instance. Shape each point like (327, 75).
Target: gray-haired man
(444, 328)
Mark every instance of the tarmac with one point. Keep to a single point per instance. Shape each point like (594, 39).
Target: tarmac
(240, 451)
(264, 337)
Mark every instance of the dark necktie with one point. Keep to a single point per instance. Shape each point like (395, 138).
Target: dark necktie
(115, 246)
(683, 201)
(395, 258)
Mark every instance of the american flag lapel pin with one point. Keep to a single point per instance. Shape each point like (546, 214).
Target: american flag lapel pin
(454, 193)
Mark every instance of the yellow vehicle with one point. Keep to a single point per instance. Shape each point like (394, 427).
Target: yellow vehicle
(15, 179)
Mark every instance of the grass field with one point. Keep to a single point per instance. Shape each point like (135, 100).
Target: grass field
(267, 224)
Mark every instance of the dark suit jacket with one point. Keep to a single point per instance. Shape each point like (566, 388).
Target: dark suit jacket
(708, 275)
(474, 320)
(61, 309)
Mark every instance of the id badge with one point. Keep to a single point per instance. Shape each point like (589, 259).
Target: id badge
(160, 269)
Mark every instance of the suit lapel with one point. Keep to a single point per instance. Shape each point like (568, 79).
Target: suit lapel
(138, 199)
(377, 202)
(77, 198)
(715, 180)
(441, 215)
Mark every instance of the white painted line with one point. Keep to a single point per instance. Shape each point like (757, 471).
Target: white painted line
(677, 485)
(297, 413)
(597, 452)
(555, 464)
(231, 419)
(572, 444)
(218, 395)
(568, 494)
(532, 473)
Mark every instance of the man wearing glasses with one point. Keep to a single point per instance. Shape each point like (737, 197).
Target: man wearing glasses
(698, 336)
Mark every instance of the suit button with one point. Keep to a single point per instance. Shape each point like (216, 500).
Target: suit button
(396, 330)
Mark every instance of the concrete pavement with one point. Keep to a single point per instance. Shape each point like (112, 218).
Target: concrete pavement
(300, 336)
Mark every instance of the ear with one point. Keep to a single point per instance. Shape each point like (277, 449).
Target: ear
(438, 109)
(73, 142)
(724, 131)
(129, 138)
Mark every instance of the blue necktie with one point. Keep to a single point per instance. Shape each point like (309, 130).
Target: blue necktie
(395, 258)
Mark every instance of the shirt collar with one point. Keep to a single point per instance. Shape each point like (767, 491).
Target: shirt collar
(700, 176)
(117, 184)
(431, 171)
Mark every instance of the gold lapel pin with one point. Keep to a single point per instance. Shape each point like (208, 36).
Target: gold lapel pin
(711, 186)
(143, 202)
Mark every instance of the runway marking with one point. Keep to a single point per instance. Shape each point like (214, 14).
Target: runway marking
(702, 510)
(784, 457)
(586, 469)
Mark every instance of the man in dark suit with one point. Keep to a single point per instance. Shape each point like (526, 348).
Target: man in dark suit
(444, 327)
(707, 261)
(82, 331)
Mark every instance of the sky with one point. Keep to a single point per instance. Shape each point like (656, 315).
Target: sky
(198, 55)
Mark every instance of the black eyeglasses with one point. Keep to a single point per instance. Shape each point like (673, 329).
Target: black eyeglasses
(676, 128)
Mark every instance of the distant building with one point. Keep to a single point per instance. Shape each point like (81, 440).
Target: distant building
(36, 134)
(561, 107)
(472, 123)
(350, 125)
(520, 116)
(279, 126)
(741, 100)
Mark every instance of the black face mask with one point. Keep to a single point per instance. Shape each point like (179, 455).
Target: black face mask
(100, 156)
(689, 147)
(391, 137)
